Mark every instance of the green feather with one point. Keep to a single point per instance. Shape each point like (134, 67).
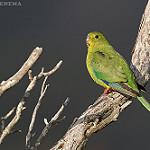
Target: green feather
(144, 102)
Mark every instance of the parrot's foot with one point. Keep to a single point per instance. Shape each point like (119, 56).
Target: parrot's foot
(108, 90)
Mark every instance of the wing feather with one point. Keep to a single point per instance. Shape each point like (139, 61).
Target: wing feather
(104, 68)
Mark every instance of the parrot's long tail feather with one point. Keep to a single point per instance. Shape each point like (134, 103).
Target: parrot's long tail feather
(144, 102)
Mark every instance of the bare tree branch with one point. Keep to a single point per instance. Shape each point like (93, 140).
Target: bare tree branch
(107, 108)
(8, 129)
(34, 114)
(42, 93)
(49, 124)
(44, 74)
(5, 85)
(21, 106)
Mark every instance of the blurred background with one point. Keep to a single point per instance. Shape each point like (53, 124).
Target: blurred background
(60, 27)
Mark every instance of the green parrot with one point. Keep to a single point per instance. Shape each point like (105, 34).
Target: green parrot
(109, 69)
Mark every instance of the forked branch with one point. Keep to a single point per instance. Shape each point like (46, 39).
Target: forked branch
(5, 131)
(5, 85)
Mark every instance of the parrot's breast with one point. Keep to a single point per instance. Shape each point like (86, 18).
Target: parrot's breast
(91, 70)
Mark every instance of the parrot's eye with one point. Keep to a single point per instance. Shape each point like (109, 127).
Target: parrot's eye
(96, 36)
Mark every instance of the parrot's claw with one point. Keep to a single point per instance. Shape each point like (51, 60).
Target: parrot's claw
(108, 90)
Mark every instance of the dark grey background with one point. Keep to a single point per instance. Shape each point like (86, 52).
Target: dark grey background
(60, 27)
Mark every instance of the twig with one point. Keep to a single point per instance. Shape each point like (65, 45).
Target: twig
(5, 117)
(13, 122)
(44, 74)
(34, 114)
(106, 109)
(5, 85)
(51, 123)
(8, 114)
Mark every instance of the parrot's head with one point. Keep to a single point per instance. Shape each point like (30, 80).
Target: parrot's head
(94, 38)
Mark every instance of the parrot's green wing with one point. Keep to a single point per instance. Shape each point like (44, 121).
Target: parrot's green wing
(108, 68)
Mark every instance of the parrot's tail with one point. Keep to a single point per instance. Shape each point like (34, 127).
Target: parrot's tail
(144, 102)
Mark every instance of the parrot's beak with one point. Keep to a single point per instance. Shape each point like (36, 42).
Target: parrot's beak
(87, 41)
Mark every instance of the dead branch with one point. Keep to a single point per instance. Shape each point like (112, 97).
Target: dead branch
(21, 106)
(6, 117)
(34, 114)
(53, 121)
(106, 109)
(5, 85)
(44, 74)
(8, 129)
(42, 93)
(49, 124)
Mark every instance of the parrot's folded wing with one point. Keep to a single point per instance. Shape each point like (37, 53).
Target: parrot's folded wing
(106, 67)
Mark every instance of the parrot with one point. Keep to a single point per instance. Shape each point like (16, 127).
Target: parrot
(110, 70)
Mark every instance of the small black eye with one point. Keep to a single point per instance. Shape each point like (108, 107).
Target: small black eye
(96, 36)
